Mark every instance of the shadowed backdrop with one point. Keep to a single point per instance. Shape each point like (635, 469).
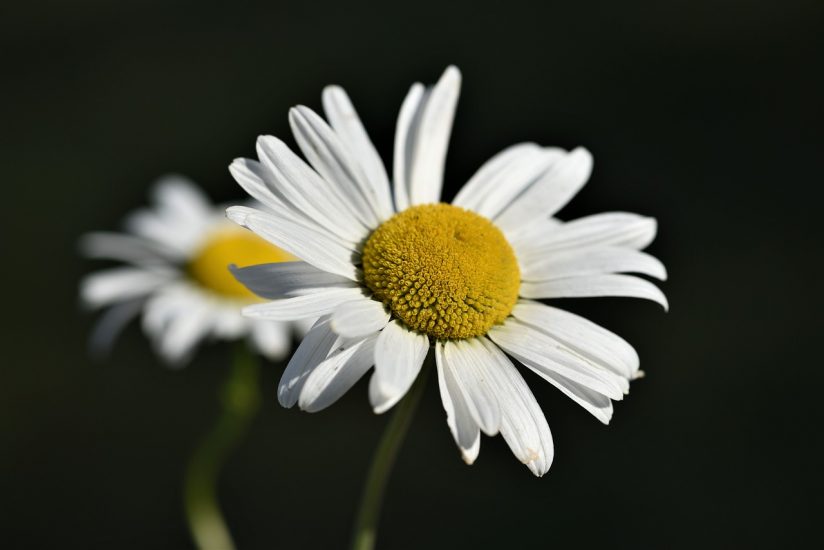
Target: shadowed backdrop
(705, 115)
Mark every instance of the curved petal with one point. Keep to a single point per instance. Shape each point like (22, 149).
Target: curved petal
(320, 198)
(523, 424)
(336, 374)
(541, 353)
(287, 279)
(595, 285)
(302, 307)
(408, 121)
(464, 429)
(360, 317)
(399, 355)
(471, 380)
(589, 261)
(120, 284)
(271, 338)
(503, 186)
(582, 335)
(550, 193)
(125, 248)
(345, 121)
(314, 348)
(622, 229)
(310, 245)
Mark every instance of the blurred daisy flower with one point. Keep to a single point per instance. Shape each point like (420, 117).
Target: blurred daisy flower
(177, 255)
(392, 275)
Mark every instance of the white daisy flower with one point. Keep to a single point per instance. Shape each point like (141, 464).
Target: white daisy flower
(393, 274)
(177, 275)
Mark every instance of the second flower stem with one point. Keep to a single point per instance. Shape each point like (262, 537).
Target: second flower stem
(240, 401)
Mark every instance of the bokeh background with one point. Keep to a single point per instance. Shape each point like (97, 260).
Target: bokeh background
(704, 114)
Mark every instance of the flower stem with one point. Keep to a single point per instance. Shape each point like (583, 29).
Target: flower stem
(366, 524)
(240, 400)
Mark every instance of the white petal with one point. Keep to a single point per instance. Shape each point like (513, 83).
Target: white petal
(287, 279)
(523, 424)
(304, 242)
(124, 248)
(502, 186)
(550, 193)
(432, 139)
(318, 198)
(336, 164)
(597, 404)
(181, 196)
(345, 121)
(541, 353)
(621, 229)
(314, 348)
(316, 304)
(464, 429)
(335, 375)
(595, 285)
(120, 284)
(491, 173)
(271, 338)
(580, 334)
(399, 355)
(111, 324)
(408, 121)
(589, 261)
(186, 327)
(475, 387)
(359, 317)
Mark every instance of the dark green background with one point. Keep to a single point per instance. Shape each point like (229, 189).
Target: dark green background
(706, 115)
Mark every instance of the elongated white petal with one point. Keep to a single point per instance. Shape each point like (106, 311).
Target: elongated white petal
(523, 424)
(125, 248)
(595, 403)
(432, 139)
(336, 374)
(621, 229)
(313, 349)
(347, 124)
(542, 353)
(475, 387)
(180, 196)
(399, 355)
(308, 244)
(111, 324)
(548, 195)
(308, 192)
(271, 338)
(492, 173)
(590, 261)
(287, 279)
(120, 284)
(360, 317)
(405, 131)
(336, 164)
(186, 327)
(303, 307)
(458, 417)
(515, 179)
(595, 285)
(580, 334)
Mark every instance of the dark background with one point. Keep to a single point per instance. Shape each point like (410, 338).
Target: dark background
(706, 115)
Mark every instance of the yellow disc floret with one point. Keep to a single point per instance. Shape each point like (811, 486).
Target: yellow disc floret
(444, 271)
(231, 245)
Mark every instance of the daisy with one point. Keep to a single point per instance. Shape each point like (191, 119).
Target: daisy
(177, 255)
(393, 274)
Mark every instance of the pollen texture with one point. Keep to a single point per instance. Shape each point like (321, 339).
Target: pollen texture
(231, 245)
(444, 271)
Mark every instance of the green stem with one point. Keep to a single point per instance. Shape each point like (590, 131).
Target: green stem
(240, 400)
(366, 524)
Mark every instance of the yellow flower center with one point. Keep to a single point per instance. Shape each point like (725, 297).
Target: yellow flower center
(231, 245)
(444, 271)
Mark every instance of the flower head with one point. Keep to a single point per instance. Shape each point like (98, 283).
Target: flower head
(393, 275)
(177, 258)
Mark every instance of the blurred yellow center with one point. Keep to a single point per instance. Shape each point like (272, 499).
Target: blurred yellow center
(444, 271)
(232, 245)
